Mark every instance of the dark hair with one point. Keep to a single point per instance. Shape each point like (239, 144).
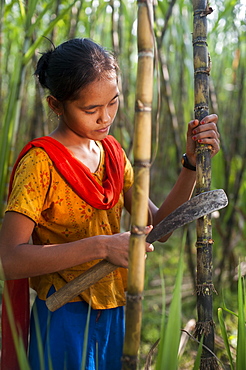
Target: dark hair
(68, 68)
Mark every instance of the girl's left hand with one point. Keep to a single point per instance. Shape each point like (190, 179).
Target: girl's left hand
(205, 133)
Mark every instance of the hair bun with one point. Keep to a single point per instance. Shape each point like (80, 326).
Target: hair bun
(73, 65)
(42, 66)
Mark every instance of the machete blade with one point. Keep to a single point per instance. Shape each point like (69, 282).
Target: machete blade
(196, 207)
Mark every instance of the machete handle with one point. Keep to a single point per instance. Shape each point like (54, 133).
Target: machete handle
(79, 284)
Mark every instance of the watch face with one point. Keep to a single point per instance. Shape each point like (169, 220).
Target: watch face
(184, 160)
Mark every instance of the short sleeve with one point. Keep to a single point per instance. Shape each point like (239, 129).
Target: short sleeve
(30, 185)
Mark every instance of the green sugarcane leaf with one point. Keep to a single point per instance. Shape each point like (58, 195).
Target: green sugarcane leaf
(230, 311)
(198, 357)
(241, 353)
(22, 9)
(30, 11)
(36, 24)
(224, 336)
(28, 55)
(163, 300)
(86, 334)
(18, 341)
(167, 358)
(39, 338)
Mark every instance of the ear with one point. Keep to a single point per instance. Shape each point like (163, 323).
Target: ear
(55, 105)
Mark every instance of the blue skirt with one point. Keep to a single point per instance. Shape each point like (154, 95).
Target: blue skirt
(59, 340)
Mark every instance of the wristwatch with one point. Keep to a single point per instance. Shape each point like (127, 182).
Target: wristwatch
(185, 162)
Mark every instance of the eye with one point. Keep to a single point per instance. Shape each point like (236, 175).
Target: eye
(90, 112)
(115, 101)
(90, 109)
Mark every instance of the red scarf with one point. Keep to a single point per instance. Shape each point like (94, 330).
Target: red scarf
(84, 184)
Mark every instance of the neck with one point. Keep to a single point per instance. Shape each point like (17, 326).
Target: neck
(70, 139)
(85, 150)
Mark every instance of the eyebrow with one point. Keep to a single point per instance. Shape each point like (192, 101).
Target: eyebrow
(88, 107)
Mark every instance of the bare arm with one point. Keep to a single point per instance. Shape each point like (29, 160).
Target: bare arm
(20, 259)
(179, 194)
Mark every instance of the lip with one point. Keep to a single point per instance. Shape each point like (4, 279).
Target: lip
(104, 129)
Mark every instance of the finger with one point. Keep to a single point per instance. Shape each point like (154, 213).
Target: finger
(206, 139)
(192, 124)
(208, 131)
(206, 127)
(212, 143)
(148, 229)
(210, 118)
(149, 248)
(209, 134)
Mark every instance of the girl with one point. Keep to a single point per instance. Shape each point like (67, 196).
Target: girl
(67, 192)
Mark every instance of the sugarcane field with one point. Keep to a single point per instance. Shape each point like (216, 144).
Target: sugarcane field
(123, 184)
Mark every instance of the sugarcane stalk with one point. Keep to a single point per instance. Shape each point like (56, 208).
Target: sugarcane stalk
(204, 244)
(142, 157)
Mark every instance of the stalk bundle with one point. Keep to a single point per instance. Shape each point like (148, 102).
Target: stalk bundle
(204, 286)
(142, 156)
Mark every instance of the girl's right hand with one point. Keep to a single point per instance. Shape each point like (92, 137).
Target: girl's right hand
(117, 249)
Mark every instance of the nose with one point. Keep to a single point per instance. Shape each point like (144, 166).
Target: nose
(104, 116)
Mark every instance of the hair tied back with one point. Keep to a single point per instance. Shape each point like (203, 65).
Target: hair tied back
(43, 64)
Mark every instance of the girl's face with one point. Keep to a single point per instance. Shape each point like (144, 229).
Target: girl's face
(92, 114)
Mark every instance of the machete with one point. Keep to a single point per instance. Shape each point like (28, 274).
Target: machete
(198, 206)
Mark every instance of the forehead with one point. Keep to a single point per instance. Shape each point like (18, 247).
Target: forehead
(103, 89)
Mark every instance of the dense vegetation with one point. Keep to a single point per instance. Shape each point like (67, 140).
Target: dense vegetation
(24, 29)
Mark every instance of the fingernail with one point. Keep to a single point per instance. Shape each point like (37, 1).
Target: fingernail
(148, 227)
(194, 138)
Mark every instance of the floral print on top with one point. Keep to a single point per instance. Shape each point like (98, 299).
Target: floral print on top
(60, 215)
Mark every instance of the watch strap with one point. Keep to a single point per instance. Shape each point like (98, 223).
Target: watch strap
(185, 162)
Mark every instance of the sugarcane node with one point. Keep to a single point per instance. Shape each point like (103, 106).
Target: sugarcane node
(204, 327)
(141, 2)
(205, 70)
(199, 107)
(203, 148)
(204, 243)
(210, 363)
(199, 40)
(146, 53)
(142, 107)
(144, 164)
(134, 298)
(138, 230)
(205, 289)
(203, 12)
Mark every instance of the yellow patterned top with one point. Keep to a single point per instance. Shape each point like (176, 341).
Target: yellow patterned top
(61, 216)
